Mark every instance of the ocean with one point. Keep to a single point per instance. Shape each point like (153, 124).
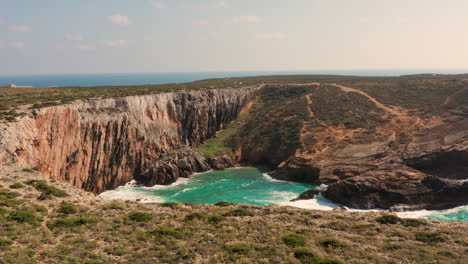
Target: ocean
(123, 79)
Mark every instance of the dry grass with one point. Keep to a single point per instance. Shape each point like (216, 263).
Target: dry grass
(128, 232)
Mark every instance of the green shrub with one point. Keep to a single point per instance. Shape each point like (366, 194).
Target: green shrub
(331, 243)
(294, 240)
(2, 211)
(47, 189)
(240, 249)
(28, 170)
(72, 222)
(215, 219)
(429, 237)
(305, 255)
(171, 205)
(67, 208)
(114, 206)
(5, 243)
(167, 232)
(116, 251)
(9, 202)
(239, 212)
(196, 215)
(414, 223)
(8, 194)
(140, 217)
(23, 216)
(388, 219)
(17, 185)
(335, 225)
(224, 204)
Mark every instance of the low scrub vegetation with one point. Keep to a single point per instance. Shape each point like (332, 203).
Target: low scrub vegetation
(140, 217)
(65, 231)
(388, 219)
(294, 240)
(46, 189)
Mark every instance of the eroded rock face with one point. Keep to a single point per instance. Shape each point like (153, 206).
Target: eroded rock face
(403, 162)
(428, 173)
(101, 144)
(182, 163)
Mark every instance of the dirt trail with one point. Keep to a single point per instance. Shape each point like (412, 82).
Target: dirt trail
(450, 98)
(377, 103)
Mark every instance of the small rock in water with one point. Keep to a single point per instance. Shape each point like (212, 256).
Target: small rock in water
(307, 195)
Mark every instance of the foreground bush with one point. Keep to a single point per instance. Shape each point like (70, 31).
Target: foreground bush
(72, 222)
(140, 217)
(67, 209)
(17, 185)
(294, 240)
(429, 237)
(23, 216)
(331, 243)
(388, 219)
(47, 189)
(305, 255)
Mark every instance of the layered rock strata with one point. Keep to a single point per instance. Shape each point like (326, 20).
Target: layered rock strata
(101, 144)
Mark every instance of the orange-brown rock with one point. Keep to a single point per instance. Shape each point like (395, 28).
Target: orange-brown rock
(101, 144)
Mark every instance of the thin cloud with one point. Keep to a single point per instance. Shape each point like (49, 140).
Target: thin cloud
(3, 21)
(73, 37)
(86, 47)
(270, 36)
(18, 44)
(19, 28)
(119, 20)
(157, 4)
(246, 19)
(217, 4)
(1, 44)
(115, 43)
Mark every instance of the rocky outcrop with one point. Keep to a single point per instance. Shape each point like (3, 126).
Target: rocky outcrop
(427, 173)
(101, 144)
(182, 163)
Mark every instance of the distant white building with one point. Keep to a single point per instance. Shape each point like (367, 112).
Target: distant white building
(11, 85)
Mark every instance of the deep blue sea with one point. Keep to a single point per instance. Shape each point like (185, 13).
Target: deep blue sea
(116, 79)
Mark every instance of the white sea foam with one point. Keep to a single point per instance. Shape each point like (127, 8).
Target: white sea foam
(129, 192)
(180, 181)
(318, 203)
(266, 175)
(282, 196)
(426, 213)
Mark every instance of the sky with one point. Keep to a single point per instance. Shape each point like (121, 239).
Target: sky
(113, 36)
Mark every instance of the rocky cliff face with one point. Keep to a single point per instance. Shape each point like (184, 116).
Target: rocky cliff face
(101, 144)
(393, 160)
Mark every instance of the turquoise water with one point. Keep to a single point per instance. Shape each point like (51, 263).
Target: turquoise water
(240, 185)
(247, 186)
(459, 214)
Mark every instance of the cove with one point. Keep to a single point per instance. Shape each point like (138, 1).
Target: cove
(248, 186)
(238, 185)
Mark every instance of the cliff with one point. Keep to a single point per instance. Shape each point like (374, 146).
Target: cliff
(372, 150)
(101, 144)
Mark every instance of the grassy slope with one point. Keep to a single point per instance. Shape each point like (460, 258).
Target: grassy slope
(87, 230)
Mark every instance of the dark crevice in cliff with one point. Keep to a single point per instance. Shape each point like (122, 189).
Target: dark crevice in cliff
(447, 165)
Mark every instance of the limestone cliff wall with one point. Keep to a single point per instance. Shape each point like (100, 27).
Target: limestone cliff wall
(101, 144)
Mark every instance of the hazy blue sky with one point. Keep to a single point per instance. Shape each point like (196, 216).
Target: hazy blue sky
(83, 36)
